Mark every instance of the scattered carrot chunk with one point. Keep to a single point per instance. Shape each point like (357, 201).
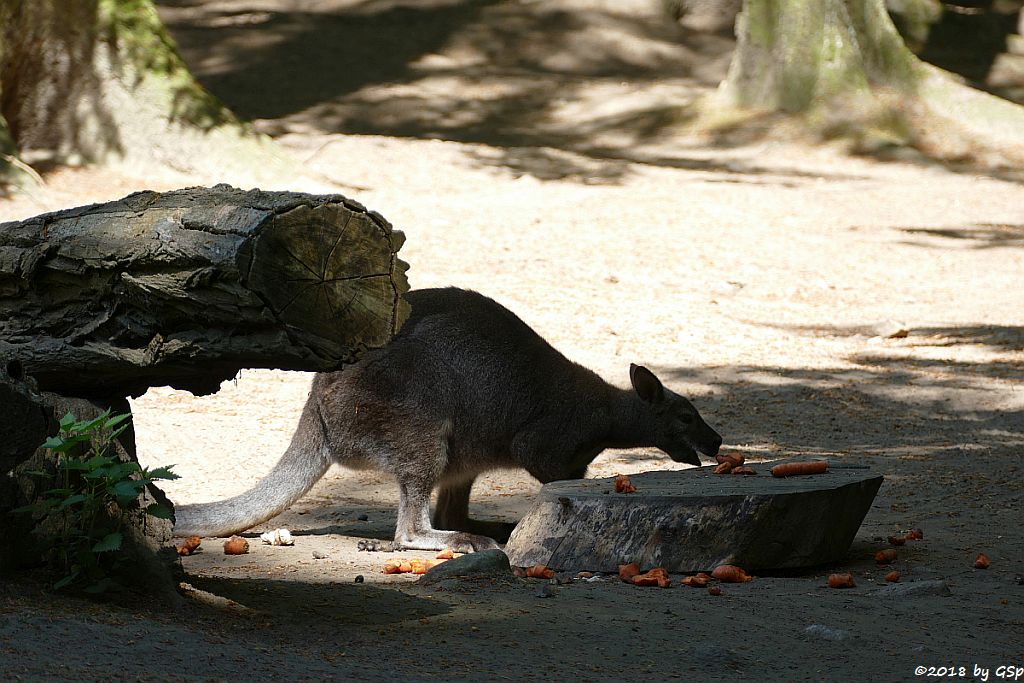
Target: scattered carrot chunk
(981, 561)
(539, 571)
(723, 468)
(734, 459)
(791, 469)
(887, 556)
(628, 571)
(841, 581)
(189, 545)
(623, 484)
(893, 576)
(730, 573)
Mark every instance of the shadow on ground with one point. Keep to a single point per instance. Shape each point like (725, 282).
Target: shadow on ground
(560, 89)
(896, 400)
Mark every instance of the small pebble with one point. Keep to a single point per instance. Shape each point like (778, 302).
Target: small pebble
(359, 579)
(1019, 580)
(543, 591)
(363, 518)
(317, 555)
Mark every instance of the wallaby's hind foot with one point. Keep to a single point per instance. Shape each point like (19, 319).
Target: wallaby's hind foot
(435, 539)
(414, 531)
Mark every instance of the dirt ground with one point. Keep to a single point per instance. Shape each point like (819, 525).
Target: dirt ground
(528, 150)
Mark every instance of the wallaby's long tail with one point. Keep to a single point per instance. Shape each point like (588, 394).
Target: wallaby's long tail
(301, 466)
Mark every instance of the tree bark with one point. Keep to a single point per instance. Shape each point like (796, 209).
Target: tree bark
(100, 81)
(844, 63)
(187, 287)
(793, 53)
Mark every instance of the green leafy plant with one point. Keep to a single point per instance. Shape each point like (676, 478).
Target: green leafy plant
(81, 518)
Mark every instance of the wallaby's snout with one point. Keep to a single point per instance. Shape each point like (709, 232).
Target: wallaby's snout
(680, 430)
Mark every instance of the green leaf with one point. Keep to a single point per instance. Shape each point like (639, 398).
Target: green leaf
(67, 421)
(72, 500)
(53, 442)
(93, 423)
(128, 488)
(109, 542)
(161, 473)
(159, 511)
(116, 420)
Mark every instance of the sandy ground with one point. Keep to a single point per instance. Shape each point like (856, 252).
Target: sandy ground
(755, 278)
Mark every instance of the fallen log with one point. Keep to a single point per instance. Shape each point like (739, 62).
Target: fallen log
(185, 288)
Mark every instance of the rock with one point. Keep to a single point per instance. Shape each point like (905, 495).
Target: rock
(913, 589)
(317, 555)
(486, 563)
(822, 631)
(543, 591)
(692, 520)
(359, 578)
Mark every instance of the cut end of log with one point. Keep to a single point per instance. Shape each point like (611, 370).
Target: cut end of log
(185, 288)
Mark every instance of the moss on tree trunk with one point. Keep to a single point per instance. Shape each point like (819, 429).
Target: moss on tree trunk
(843, 64)
(100, 81)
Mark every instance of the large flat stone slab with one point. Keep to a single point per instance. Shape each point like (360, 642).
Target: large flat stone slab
(694, 520)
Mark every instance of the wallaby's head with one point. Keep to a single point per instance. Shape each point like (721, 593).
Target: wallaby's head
(679, 429)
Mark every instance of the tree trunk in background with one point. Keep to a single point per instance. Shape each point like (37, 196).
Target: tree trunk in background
(793, 53)
(100, 81)
(845, 60)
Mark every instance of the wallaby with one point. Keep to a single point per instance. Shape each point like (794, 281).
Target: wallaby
(463, 388)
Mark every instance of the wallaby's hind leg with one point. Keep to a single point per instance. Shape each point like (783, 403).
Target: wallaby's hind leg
(452, 512)
(415, 532)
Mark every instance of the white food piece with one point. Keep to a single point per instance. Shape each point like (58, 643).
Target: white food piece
(278, 537)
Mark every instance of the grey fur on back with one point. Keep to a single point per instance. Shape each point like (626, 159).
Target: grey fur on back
(465, 387)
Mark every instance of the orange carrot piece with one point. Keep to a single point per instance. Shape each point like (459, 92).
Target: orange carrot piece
(714, 590)
(841, 581)
(697, 581)
(743, 469)
(734, 459)
(723, 468)
(915, 535)
(790, 469)
(628, 571)
(893, 576)
(445, 554)
(730, 573)
(539, 571)
(981, 561)
(623, 484)
(897, 540)
(887, 556)
(189, 545)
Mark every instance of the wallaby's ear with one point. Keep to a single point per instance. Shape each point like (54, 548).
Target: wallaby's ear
(647, 386)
